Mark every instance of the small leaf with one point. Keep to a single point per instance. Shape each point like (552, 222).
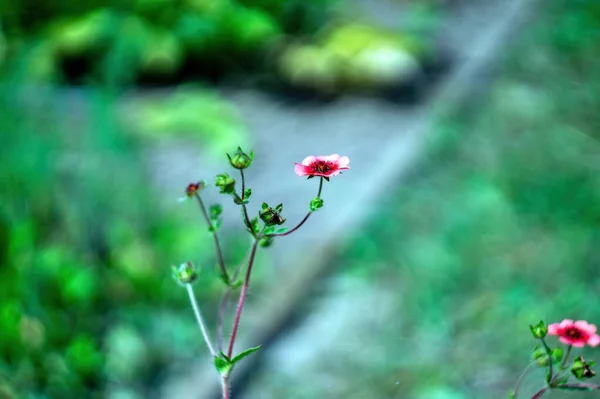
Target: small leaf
(326, 178)
(223, 366)
(310, 177)
(512, 395)
(265, 205)
(255, 225)
(279, 208)
(282, 230)
(247, 194)
(224, 356)
(215, 211)
(245, 353)
(557, 355)
(269, 230)
(236, 284)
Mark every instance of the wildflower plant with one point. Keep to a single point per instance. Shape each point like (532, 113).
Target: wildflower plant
(263, 228)
(559, 369)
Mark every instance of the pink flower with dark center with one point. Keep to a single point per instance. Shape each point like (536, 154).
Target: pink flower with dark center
(576, 333)
(324, 165)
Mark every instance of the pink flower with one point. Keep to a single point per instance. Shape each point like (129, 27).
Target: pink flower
(324, 165)
(576, 333)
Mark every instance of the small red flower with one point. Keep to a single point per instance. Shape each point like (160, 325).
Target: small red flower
(324, 165)
(193, 188)
(576, 333)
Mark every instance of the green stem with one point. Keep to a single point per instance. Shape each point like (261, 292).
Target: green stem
(320, 187)
(566, 358)
(216, 240)
(520, 380)
(199, 318)
(246, 217)
(549, 353)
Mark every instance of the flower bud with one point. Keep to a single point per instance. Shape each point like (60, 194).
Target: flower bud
(225, 183)
(581, 369)
(539, 330)
(271, 216)
(186, 273)
(240, 160)
(316, 204)
(194, 188)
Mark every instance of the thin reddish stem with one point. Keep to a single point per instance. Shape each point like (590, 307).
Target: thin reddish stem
(539, 393)
(225, 385)
(292, 230)
(238, 312)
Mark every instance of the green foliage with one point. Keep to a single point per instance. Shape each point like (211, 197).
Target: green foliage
(85, 293)
(157, 41)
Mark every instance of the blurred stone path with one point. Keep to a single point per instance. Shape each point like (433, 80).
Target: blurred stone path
(382, 140)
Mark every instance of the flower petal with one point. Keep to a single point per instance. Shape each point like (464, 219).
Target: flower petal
(302, 170)
(554, 329)
(566, 323)
(590, 329)
(343, 162)
(594, 340)
(309, 160)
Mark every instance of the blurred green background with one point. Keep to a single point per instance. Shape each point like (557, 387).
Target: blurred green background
(494, 228)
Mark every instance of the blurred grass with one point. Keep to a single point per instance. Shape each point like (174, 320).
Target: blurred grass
(87, 304)
(498, 226)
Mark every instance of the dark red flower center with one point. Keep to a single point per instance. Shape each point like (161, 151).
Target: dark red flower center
(323, 166)
(192, 188)
(573, 333)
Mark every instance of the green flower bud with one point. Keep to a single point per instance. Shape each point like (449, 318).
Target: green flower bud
(540, 330)
(225, 183)
(240, 160)
(581, 369)
(316, 204)
(270, 216)
(185, 273)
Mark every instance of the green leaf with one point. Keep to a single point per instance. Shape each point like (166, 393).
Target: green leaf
(247, 194)
(215, 211)
(245, 353)
(279, 208)
(512, 395)
(255, 225)
(223, 366)
(269, 230)
(282, 230)
(557, 355)
(265, 205)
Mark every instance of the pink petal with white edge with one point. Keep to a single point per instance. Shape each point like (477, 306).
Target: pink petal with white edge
(343, 162)
(594, 340)
(329, 158)
(553, 329)
(302, 170)
(566, 323)
(308, 160)
(585, 326)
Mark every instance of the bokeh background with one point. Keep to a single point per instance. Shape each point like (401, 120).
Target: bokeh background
(482, 221)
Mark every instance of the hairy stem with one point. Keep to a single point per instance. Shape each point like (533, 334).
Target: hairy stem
(215, 238)
(243, 293)
(199, 318)
(225, 385)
